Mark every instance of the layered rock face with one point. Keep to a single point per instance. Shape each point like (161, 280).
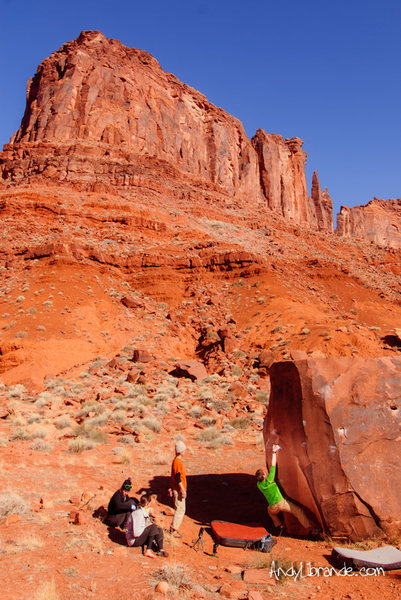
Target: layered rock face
(323, 205)
(100, 116)
(282, 175)
(338, 423)
(379, 221)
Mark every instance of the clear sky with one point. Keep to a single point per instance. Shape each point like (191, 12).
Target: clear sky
(328, 72)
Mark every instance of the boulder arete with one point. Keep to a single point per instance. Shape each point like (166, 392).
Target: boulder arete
(338, 422)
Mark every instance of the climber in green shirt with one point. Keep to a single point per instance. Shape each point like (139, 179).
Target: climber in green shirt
(276, 502)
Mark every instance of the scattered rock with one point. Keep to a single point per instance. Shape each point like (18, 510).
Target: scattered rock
(78, 517)
(238, 389)
(254, 595)
(162, 587)
(260, 576)
(12, 519)
(141, 356)
(192, 369)
(234, 569)
(131, 302)
(234, 589)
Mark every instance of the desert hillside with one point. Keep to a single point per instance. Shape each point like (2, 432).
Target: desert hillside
(164, 277)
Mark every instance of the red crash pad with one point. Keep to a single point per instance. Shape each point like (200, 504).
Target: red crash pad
(237, 535)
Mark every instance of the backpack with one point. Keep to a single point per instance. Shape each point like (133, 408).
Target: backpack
(265, 544)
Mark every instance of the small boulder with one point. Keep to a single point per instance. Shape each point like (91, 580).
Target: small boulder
(162, 587)
(193, 369)
(238, 389)
(266, 359)
(259, 576)
(12, 519)
(234, 569)
(131, 302)
(234, 589)
(141, 356)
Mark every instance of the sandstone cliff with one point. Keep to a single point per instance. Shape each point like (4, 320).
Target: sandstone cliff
(379, 221)
(336, 420)
(101, 116)
(323, 205)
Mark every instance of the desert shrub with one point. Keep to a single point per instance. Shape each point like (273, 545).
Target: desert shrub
(34, 418)
(80, 445)
(221, 440)
(162, 408)
(262, 397)
(16, 391)
(207, 435)
(240, 423)
(119, 416)
(99, 420)
(39, 433)
(178, 576)
(20, 299)
(63, 422)
(205, 394)
(195, 412)
(122, 456)
(41, 446)
(218, 405)
(98, 436)
(47, 591)
(21, 334)
(12, 503)
(127, 439)
(207, 421)
(86, 408)
(20, 433)
(152, 424)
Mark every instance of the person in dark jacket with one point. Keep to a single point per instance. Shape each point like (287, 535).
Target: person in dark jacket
(121, 505)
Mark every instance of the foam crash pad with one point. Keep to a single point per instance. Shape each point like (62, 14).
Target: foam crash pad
(236, 535)
(387, 557)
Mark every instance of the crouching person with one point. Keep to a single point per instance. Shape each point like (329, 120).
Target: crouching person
(142, 532)
(121, 505)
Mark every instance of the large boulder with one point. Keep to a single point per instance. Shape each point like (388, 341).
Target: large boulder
(338, 423)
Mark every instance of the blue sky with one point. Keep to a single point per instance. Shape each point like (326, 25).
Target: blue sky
(327, 72)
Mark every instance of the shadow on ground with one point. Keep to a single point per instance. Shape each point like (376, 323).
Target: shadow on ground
(226, 497)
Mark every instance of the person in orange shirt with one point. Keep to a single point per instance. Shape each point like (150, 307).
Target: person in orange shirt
(178, 488)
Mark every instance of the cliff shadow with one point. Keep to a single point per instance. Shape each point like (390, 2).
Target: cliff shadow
(230, 497)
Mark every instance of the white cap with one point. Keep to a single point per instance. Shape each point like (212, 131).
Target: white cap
(180, 447)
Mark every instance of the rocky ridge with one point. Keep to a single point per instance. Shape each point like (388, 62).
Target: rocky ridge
(100, 116)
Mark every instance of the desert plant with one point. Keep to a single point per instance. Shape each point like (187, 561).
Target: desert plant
(41, 446)
(178, 576)
(240, 423)
(195, 412)
(12, 503)
(152, 424)
(63, 422)
(79, 444)
(122, 456)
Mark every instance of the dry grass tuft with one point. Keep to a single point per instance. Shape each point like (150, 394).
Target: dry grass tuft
(178, 576)
(11, 503)
(47, 591)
